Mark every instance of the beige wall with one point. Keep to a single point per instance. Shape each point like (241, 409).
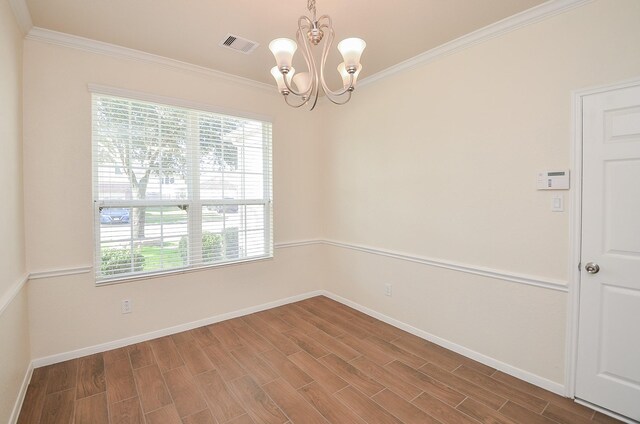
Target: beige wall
(440, 162)
(69, 312)
(14, 346)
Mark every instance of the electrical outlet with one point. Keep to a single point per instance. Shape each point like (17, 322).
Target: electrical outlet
(127, 306)
(387, 289)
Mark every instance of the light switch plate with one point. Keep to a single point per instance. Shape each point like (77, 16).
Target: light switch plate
(557, 203)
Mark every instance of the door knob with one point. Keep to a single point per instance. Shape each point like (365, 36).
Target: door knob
(592, 268)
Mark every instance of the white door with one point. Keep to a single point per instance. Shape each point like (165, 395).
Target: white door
(608, 369)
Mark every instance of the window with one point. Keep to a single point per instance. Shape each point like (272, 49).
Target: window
(177, 188)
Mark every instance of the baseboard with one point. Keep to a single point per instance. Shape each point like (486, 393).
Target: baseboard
(527, 376)
(17, 407)
(103, 347)
(489, 361)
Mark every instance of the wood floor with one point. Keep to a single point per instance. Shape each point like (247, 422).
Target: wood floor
(314, 361)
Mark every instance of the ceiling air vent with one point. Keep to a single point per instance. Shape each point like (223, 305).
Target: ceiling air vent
(239, 44)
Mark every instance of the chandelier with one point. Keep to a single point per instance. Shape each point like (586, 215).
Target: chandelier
(307, 84)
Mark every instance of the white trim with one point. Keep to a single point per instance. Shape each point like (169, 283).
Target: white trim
(531, 16)
(454, 266)
(17, 406)
(509, 369)
(63, 272)
(530, 280)
(22, 14)
(53, 359)
(575, 244)
(575, 241)
(107, 49)
(178, 271)
(11, 294)
(527, 376)
(298, 243)
(536, 14)
(60, 272)
(174, 101)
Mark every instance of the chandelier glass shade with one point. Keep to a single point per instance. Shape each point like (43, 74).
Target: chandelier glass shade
(306, 85)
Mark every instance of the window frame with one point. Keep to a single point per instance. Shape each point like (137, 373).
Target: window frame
(194, 202)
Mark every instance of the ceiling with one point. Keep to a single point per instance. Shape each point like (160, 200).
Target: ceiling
(190, 30)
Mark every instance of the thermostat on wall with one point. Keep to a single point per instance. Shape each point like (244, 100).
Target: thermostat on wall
(553, 180)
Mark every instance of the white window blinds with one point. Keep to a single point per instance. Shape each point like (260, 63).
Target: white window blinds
(177, 188)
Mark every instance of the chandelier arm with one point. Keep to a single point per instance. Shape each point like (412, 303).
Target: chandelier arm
(316, 89)
(349, 89)
(306, 52)
(324, 24)
(311, 64)
(302, 94)
(325, 53)
(315, 97)
(340, 103)
(291, 90)
(306, 20)
(304, 102)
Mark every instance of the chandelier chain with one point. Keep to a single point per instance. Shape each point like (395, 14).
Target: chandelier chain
(311, 6)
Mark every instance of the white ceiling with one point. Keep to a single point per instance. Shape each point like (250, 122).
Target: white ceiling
(190, 30)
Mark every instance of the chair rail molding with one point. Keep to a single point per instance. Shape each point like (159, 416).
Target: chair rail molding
(499, 274)
(530, 280)
(13, 291)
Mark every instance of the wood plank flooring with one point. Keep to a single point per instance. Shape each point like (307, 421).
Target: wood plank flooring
(314, 361)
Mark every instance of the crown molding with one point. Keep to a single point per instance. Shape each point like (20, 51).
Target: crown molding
(531, 16)
(22, 14)
(536, 14)
(85, 44)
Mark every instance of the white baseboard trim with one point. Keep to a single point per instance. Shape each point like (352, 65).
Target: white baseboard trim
(527, 376)
(17, 407)
(103, 347)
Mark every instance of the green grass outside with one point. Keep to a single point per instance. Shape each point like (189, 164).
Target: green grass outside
(165, 257)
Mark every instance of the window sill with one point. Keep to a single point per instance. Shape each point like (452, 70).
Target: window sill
(173, 272)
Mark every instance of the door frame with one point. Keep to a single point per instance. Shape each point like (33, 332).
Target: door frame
(575, 229)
